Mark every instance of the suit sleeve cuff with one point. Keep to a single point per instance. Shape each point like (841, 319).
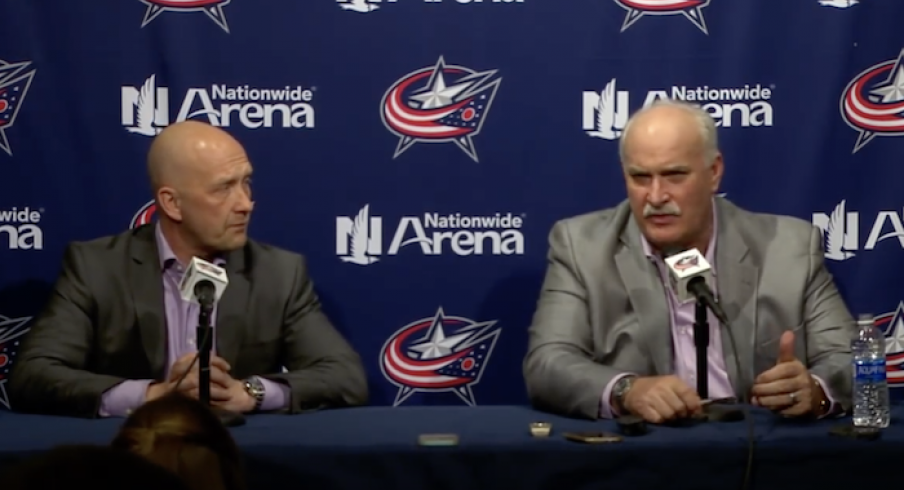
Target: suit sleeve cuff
(120, 400)
(607, 411)
(276, 396)
(833, 405)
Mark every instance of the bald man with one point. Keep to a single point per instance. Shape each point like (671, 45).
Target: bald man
(116, 333)
(610, 336)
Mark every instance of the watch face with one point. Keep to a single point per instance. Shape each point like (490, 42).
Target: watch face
(623, 385)
(255, 388)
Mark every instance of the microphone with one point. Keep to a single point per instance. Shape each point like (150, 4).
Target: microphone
(691, 277)
(203, 283)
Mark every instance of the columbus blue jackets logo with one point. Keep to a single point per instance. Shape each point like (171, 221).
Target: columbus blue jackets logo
(686, 263)
(439, 104)
(692, 10)
(213, 9)
(144, 215)
(11, 331)
(15, 80)
(873, 102)
(438, 354)
(892, 324)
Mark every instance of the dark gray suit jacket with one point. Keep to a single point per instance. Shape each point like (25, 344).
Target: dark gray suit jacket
(105, 323)
(603, 310)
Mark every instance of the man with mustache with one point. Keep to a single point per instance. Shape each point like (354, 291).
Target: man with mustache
(116, 332)
(610, 337)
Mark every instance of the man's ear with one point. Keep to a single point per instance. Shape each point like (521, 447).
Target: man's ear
(168, 203)
(718, 169)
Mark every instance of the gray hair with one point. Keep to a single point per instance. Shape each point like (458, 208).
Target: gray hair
(706, 125)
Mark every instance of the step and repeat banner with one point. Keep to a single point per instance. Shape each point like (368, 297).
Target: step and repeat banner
(417, 152)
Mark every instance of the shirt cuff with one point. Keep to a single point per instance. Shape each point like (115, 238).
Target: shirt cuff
(276, 396)
(833, 406)
(120, 400)
(607, 411)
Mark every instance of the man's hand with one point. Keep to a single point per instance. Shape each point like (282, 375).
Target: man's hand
(237, 400)
(219, 380)
(787, 387)
(662, 398)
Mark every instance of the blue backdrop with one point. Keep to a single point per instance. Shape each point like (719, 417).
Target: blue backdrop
(418, 151)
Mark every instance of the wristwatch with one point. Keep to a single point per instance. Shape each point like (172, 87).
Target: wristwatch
(255, 388)
(823, 408)
(620, 391)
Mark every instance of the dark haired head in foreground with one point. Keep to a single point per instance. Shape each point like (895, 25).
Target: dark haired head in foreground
(94, 467)
(184, 436)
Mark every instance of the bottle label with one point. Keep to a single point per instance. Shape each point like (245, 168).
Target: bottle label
(872, 371)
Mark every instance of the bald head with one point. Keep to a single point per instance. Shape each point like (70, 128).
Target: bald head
(185, 148)
(202, 185)
(670, 124)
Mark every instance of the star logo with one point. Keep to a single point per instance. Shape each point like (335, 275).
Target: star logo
(841, 4)
(11, 330)
(438, 354)
(213, 9)
(892, 325)
(15, 80)
(362, 6)
(692, 10)
(439, 104)
(873, 102)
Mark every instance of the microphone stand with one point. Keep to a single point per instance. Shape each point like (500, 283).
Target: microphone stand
(701, 342)
(205, 341)
(712, 411)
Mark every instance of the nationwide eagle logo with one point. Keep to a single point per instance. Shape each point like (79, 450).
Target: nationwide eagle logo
(438, 354)
(14, 83)
(873, 102)
(11, 330)
(690, 9)
(145, 215)
(213, 9)
(439, 104)
(836, 235)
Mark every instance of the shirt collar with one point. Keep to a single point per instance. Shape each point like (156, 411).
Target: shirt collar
(710, 249)
(166, 254)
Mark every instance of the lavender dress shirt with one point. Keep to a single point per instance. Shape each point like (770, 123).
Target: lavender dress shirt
(682, 330)
(181, 324)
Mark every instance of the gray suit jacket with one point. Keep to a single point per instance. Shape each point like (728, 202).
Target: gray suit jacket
(105, 323)
(603, 309)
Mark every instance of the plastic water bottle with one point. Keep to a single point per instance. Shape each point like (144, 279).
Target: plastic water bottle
(870, 384)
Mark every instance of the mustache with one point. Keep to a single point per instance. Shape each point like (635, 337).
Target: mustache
(669, 209)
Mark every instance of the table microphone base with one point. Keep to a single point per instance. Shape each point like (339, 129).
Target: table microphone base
(721, 413)
(229, 418)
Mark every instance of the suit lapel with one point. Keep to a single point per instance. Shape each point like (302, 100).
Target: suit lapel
(146, 284)
(232, 307)
(736, 278)
(647, 296)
